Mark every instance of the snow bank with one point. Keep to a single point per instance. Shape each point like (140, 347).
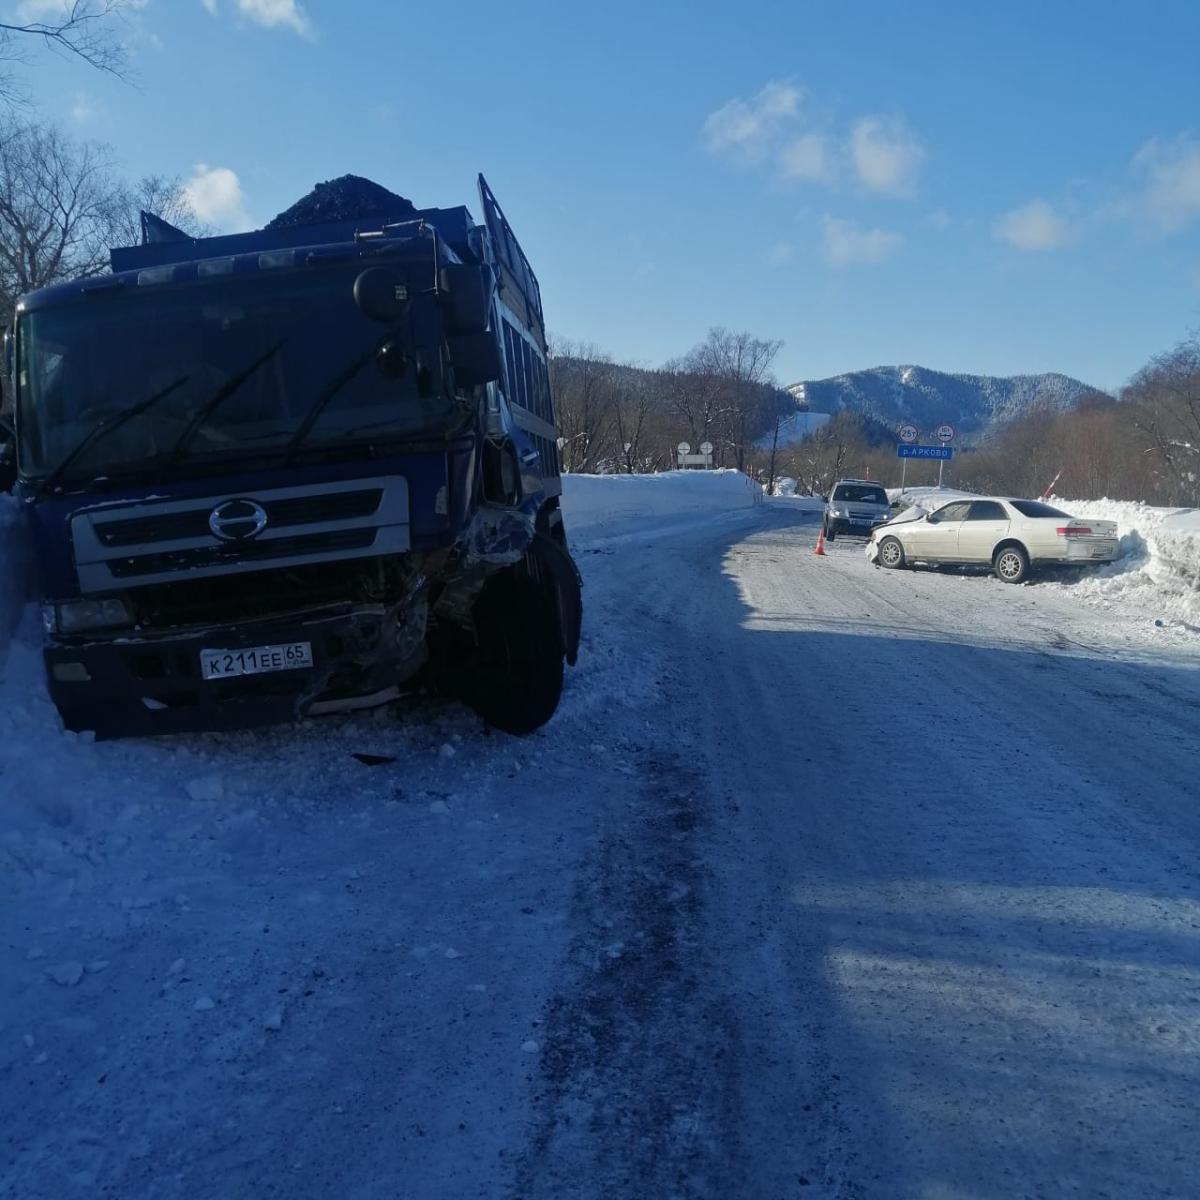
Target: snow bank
(1158, 568)
(928, 497)
(600, 505)
(785, 489)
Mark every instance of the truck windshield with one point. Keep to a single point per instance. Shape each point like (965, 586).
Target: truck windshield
(85, 363)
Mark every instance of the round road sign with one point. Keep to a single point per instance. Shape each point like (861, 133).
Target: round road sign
(944, 433)
(684, 447)
(706, 447)
(909, 433)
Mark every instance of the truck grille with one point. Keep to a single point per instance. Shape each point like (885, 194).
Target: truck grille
(302, 510)
(271, 592)
(258, 552)
(154, 541)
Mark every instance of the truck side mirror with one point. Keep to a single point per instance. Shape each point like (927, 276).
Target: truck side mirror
(467, 295)
(475, 358)
(381, 294)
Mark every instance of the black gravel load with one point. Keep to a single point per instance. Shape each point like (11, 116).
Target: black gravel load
(345, 199)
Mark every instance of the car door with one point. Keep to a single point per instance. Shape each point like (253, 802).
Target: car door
(936, 538)
(985, 525)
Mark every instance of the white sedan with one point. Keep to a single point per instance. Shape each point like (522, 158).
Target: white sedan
(1010, 536)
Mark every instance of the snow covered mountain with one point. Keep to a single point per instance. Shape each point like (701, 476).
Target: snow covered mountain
(927, 398)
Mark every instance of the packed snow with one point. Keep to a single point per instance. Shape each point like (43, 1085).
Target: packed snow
(824, 881)
(605, 504)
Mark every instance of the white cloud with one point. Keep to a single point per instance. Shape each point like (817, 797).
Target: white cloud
(82, 108)
(938, 219)
(215, 194)
(773, 128)
(746, 130)
(1171, 198)
(846, 243)
(271, 14)
(808, 157)
(780, 253)
(886, 155)
(1033, 226)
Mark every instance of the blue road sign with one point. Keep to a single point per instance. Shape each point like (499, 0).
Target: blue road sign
(942, 452)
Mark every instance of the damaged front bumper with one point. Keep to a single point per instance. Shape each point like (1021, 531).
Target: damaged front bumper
(154, 683)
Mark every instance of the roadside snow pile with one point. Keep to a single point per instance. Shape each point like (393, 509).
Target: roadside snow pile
(785, 489)
(602, 505)
(1158, 568)
(928, 498)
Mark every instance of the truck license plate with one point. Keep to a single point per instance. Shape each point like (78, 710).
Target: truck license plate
(255, 660)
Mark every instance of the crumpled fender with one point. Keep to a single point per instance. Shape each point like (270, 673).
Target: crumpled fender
(499, 536)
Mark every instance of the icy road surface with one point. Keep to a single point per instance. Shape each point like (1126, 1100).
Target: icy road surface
(826, 882)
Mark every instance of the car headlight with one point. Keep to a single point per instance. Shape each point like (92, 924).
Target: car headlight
(838, 512)
(76, 616)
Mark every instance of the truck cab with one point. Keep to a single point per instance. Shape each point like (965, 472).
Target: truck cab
(289, 472)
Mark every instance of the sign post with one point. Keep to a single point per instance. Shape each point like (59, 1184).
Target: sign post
(944, 434)
(943, 454)
(687, 459)
(908, 434)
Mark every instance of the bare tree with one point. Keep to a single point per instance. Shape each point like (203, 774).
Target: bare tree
(1164, 401)
(82, 29)
(632, 410)
(696, 399)
(581, 379)
(737, 369)
(58, 202)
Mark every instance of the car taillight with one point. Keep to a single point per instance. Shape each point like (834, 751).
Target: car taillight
(1074, 531)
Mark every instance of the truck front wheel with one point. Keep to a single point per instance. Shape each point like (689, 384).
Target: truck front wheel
(518, 676)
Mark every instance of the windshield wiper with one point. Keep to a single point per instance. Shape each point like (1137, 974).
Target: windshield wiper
(218, 398)
(319, 405)
(107, 426)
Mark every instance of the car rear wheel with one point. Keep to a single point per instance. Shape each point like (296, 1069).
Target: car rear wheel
(891, 553)
(1011, 564)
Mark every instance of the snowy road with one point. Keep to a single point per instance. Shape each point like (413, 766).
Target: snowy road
(826, 882)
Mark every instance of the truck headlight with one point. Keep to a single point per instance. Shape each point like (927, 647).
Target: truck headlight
(76, 616)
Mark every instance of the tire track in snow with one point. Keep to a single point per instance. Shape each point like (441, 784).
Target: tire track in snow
(634, 1093)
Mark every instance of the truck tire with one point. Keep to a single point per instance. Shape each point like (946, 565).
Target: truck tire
(517, 676)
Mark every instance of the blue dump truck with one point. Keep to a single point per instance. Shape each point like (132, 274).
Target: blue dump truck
(295, 471)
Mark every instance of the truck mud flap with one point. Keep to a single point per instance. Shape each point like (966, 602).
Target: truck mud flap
(553, 568)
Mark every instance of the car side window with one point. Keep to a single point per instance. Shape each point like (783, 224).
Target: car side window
(986, 510)
(952, 512)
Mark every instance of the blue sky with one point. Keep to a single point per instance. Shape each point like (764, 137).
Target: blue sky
(971, 187)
